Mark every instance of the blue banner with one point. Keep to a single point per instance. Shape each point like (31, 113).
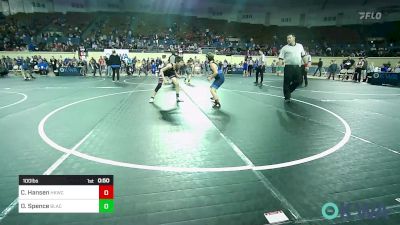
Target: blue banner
(380, 78)
(69, 71)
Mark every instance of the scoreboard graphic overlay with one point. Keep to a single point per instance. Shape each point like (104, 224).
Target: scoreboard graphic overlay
(66, 194)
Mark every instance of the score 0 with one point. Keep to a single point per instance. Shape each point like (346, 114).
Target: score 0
(106, 198)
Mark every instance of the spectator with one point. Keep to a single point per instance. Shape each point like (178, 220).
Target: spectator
(26, 70)
(102, 65)
(364, 69)
(397, 68)
(3, 68)
(357, 72)
(348, 63)
(82, 64)
(332, 69)
(273, 66)
(115, 63)
(94, 66)
(43, 67)
(260, 69)
(250, 66)
(386, 67)
(320, 63)
(245, 68)
(53, 63)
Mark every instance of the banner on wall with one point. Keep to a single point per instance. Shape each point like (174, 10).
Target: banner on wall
(380, 78)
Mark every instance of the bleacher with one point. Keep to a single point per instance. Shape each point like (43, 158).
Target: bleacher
(177, 29)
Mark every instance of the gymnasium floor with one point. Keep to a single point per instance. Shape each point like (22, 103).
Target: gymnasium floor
(192, 164)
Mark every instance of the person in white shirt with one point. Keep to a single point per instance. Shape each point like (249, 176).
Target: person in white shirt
(304, 71)
(260, 67)
(250, 63)
(293, 55)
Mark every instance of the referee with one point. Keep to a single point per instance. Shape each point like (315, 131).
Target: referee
(293, 54)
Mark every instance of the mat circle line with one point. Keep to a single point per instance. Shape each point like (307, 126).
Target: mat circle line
(17, 102)
(58, 147)
(339, 93)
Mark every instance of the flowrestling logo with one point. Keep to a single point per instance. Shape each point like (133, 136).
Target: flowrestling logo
(370, 15)
(331, 211)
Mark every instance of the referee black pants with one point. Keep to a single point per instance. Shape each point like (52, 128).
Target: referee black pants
(260, 71)
(292, 78)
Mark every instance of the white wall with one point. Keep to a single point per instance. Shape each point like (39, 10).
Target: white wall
(1, 7)
(18, 6)
(70, 6)
(109, 6)
(4, 8)
(277, 14)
